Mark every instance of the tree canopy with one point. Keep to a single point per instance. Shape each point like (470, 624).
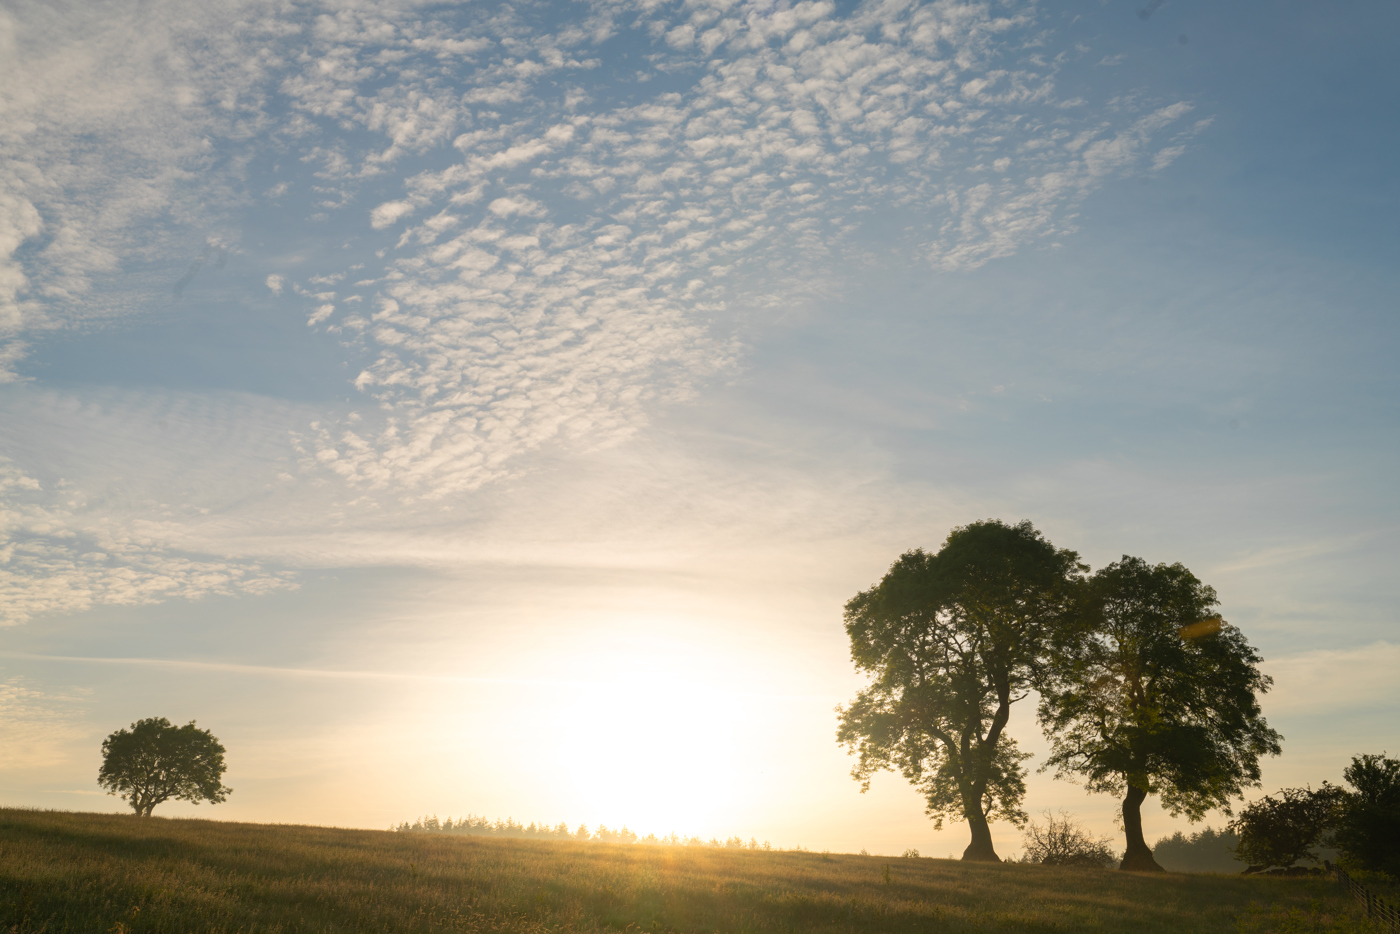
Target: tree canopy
(1153, 693)
(1279, 830)
(1368, 829)
(950, 641)
(155, 761)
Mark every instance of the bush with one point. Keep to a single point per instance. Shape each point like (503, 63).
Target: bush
(1064, 842)
(1368, 831)
(1279, 830)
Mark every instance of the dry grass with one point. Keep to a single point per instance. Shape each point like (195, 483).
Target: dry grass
(65, 872)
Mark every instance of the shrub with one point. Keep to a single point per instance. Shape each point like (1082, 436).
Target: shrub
(1062, 841)
(1368, 831)
(1279, 830)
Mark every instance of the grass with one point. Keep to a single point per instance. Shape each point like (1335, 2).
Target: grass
(116, 874)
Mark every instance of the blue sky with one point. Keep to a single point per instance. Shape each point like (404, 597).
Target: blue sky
(406, 390)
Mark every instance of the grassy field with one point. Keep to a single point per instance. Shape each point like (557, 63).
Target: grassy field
(65, 872)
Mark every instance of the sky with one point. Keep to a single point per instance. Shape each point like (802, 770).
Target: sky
(489, 407)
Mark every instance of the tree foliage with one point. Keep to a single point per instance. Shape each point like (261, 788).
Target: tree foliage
(155, 761)
(1280, 830)
(1368, 829)
(1155, 694)
(950, 641)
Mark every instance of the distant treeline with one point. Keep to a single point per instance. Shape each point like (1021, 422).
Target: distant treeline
(472, 825)
(1207, 851)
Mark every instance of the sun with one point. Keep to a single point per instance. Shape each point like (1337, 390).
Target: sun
(658, 724)
(658, 757)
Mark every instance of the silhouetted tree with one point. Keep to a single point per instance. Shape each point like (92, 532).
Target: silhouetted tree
(155, 761)
(1279, 830)
(951, 640)
(1368, 831)
(1154, 693)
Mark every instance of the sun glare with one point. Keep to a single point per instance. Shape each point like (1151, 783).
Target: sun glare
(656, 746)
(659, 758)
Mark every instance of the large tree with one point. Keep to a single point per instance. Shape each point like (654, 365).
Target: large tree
(950, 641)
(1155, 694)
(155, 761)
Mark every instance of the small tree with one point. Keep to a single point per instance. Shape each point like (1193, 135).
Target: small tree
(1368, 831)
(155, 761)
(1155, 693)
(951, 640)
(1279, 830)
(1064, 842)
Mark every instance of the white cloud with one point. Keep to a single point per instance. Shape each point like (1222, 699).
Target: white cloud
(1166, 157)
(19, 221)
(580, 295)
(389, 213)
(108, 116)
(534, 326)
(1124, 149)
(505, 207)
(11, 353)
(274, 283)
(61, 552)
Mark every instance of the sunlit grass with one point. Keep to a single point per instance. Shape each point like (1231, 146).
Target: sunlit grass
(62, 872)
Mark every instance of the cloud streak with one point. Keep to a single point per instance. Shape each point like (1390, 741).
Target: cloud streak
(1335, 679)
(36, 724)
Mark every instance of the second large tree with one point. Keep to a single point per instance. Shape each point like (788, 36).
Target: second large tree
(1155, 693)
(951, 640)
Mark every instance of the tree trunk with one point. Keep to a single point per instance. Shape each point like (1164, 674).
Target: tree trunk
(980, 849)
(1138, 858)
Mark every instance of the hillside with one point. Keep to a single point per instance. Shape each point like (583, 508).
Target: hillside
(67, 872)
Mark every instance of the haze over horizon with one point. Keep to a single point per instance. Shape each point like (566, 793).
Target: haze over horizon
(486, 407)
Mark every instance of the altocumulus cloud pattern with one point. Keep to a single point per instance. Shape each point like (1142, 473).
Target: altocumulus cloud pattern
(562, 208)
(53, 561)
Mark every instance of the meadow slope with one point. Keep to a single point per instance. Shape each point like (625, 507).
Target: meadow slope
(73, 872)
